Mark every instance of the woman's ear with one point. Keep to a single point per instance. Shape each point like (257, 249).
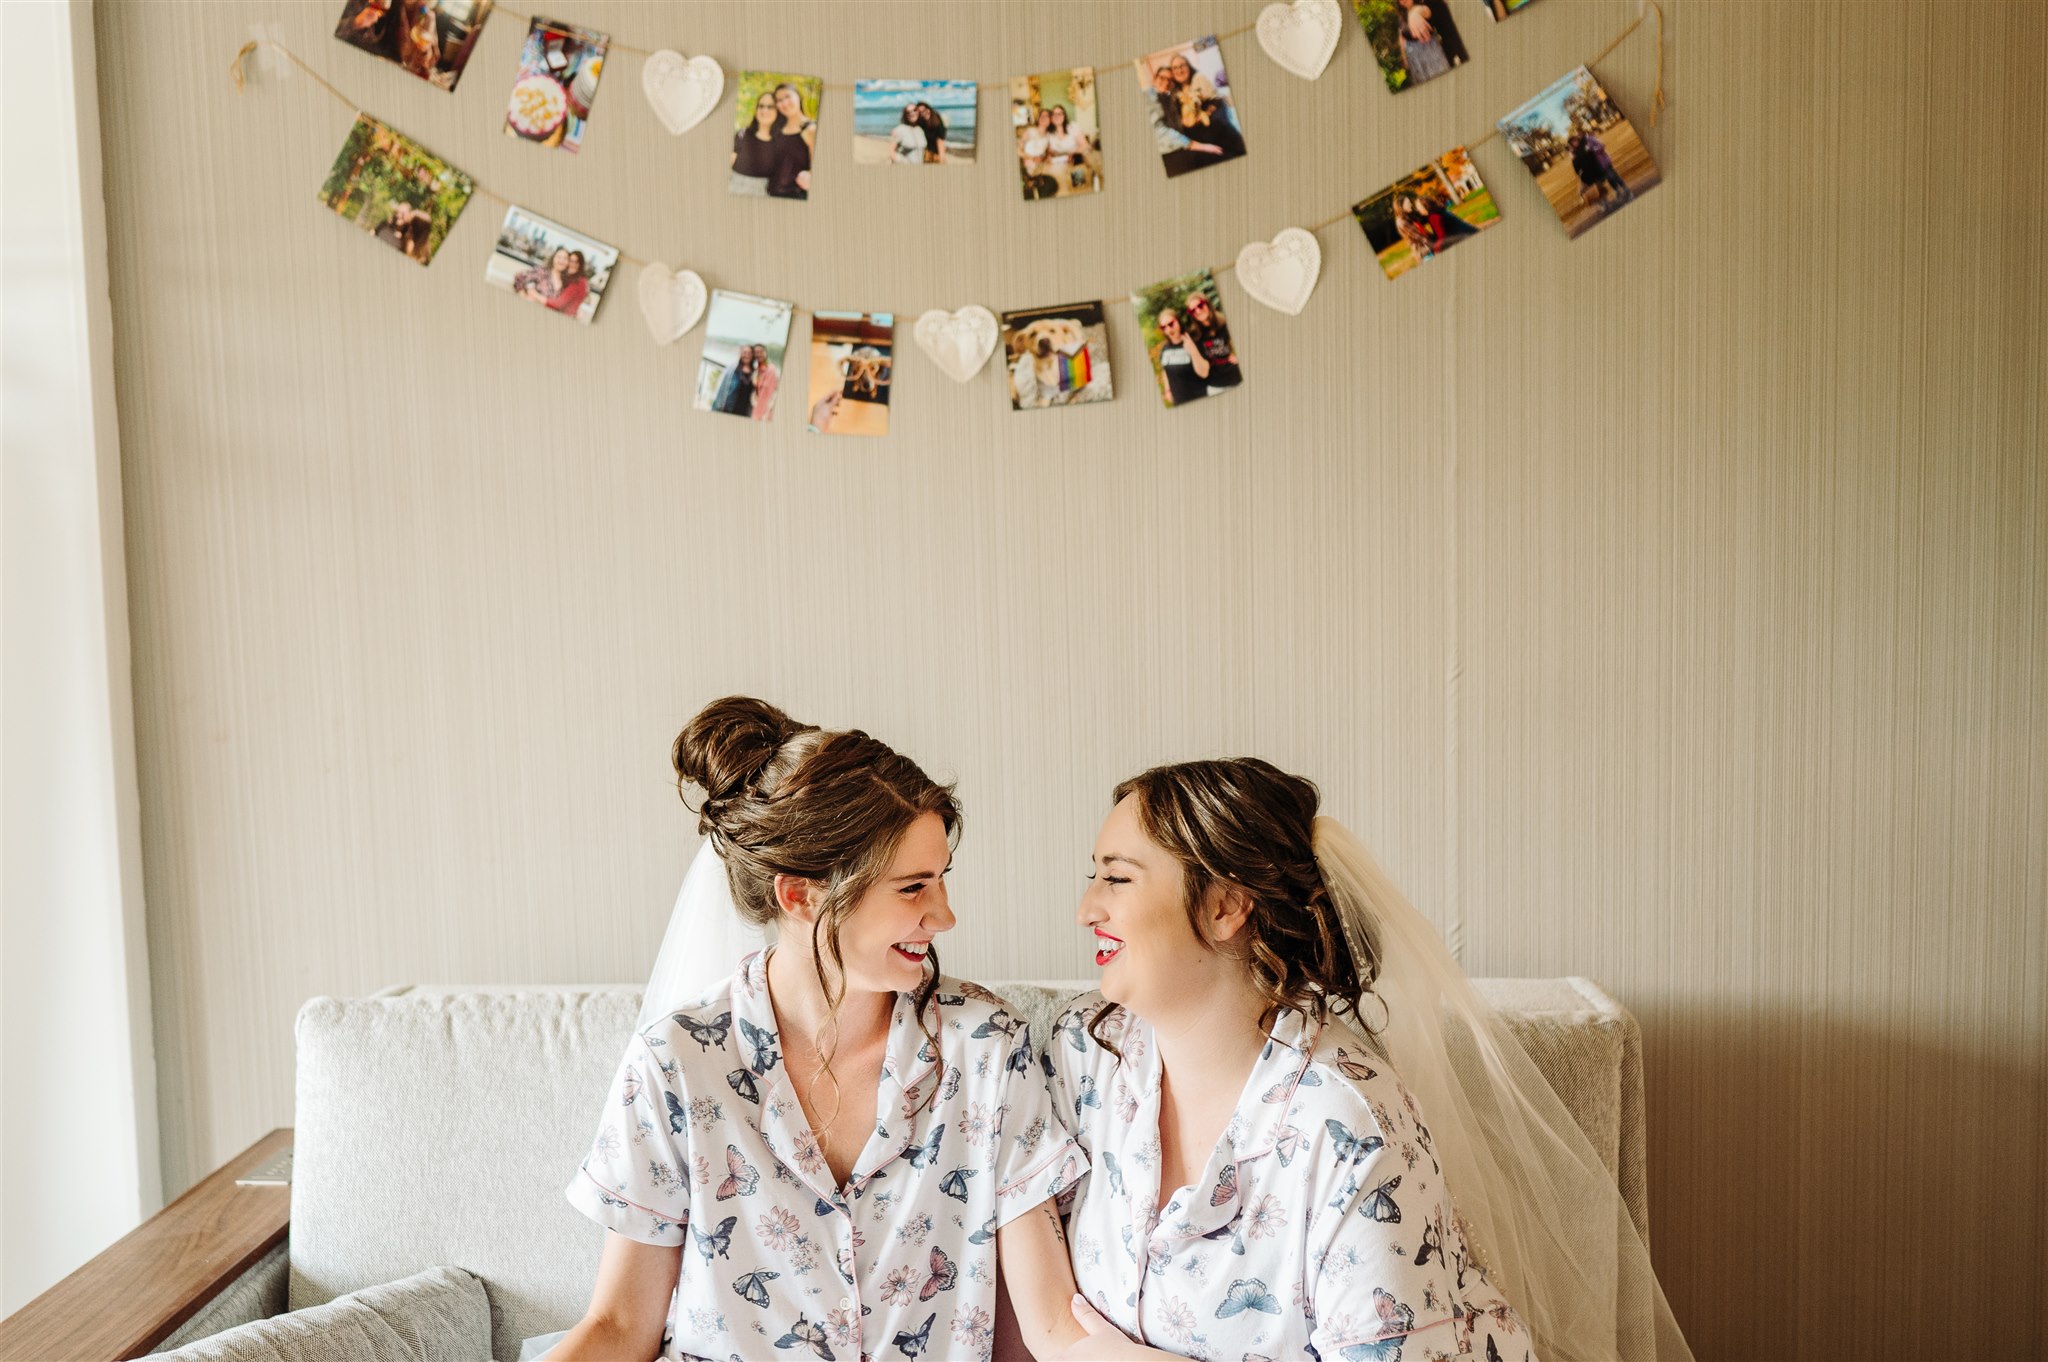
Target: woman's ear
(796, 897)
(1228, 910)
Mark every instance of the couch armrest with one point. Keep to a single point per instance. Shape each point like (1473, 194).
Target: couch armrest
(134, 1295)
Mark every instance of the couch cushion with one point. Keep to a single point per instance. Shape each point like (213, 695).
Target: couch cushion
(440, 1315)
(441, 1125)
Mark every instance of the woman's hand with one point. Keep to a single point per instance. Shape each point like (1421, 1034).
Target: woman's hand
(1209, 148)
(803, 180)
(1104, 1343)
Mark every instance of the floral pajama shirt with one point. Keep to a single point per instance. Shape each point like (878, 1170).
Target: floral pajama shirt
(1320, 1228)
(702, 1143)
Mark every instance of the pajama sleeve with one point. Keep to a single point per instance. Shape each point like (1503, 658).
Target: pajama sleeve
(1036, 1156)
(1377, 1271)
(636, 1177)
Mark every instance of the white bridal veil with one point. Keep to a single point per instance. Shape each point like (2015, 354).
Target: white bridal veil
(1542, 1213)
(705, 939)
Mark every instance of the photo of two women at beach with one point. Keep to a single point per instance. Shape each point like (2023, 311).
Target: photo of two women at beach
(775, 118)
(913, 122)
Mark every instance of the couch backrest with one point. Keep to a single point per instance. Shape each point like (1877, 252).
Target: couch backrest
(438, 1127)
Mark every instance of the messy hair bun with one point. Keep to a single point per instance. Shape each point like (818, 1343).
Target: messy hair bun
(788, 798)
(726, 749)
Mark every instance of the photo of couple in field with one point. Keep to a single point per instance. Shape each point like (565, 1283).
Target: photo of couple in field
(1426, 212)
(1586, 156)
(395, 189)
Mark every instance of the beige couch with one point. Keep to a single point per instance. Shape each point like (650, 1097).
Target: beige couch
(437, 1128)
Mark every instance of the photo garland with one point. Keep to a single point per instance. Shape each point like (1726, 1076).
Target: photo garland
(1584, 154)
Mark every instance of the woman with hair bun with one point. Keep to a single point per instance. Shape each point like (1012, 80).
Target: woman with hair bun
(820, 1155)
(1273, 1176)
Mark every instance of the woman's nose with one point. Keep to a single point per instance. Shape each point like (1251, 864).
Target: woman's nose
(940, 916)
(1084, 912)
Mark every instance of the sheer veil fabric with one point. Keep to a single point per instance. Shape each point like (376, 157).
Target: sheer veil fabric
(1542, 1213)
(704, 943)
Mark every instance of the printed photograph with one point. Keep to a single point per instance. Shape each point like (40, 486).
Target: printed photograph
(1059, 142)
(775, 129)
(1426, 212)
(1187, 338)
(850, 372)
(745, 341)
(1057, 356)
(1585, 155)
(546, 263)
(395, 189)
(1501, 9)
(913, 122)
(558, 72)
(1187, 97)
(430, 38)
(1412, 40)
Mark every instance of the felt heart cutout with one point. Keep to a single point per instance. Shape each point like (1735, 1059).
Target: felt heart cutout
(672, 303)
(682, 90)
(1301, 36)
(1281, 274)
(958, 342)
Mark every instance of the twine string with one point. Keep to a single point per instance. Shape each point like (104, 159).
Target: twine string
(1645, 9)
(614, 44)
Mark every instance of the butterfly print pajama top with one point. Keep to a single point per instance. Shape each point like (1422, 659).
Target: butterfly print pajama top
(1320, 1228)
(702, 1143)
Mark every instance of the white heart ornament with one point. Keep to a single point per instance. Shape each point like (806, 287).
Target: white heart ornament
(682, 90)
(1301, 36)
(672, 303)
(1281, 274)
(958, 342)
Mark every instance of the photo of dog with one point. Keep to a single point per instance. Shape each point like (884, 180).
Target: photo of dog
(1057, 356)
(852, 368)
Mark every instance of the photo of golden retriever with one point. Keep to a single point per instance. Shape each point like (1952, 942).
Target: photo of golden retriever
(1057, 356)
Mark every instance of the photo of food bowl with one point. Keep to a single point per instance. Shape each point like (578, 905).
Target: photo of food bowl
(539, 108)
(558, 74)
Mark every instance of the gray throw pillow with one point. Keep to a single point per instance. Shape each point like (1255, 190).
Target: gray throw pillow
(440, 1315)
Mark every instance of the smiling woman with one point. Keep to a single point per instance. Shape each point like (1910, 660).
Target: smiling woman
(1270, 1181)
(737, 1152)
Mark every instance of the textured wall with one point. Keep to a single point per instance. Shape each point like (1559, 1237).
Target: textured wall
(1666, 605)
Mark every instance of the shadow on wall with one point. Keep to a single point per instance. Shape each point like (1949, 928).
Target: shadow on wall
(1770, 1134)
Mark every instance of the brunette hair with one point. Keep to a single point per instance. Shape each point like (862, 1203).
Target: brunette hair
(1245, 824)
(789, 798)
